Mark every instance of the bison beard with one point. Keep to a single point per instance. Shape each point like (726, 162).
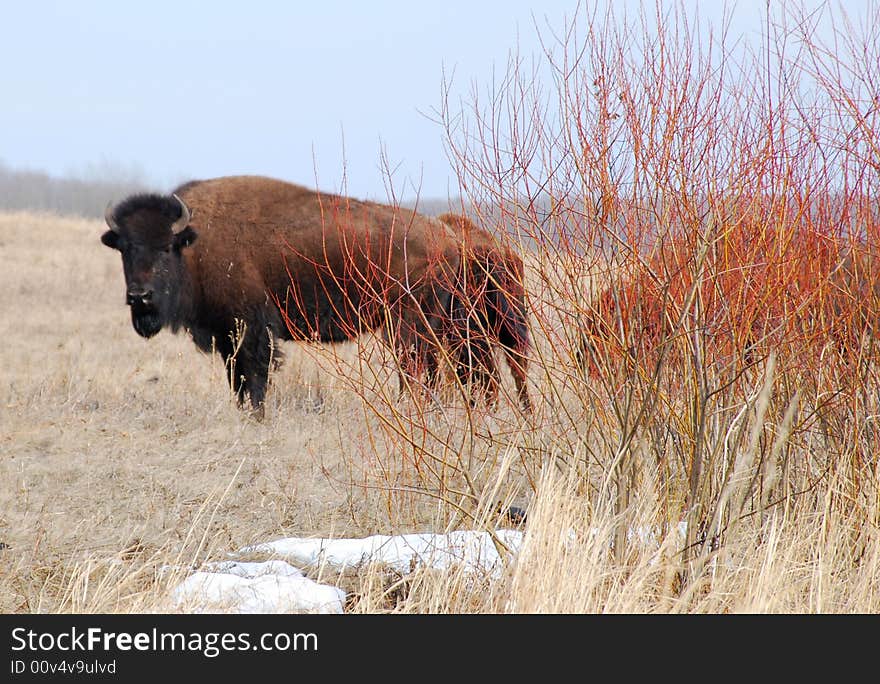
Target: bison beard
(146, 320)
(242, 261)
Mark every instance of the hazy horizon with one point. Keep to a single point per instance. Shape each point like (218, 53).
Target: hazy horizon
(316, 95)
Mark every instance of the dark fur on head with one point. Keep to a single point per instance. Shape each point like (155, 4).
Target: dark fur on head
(147, 218)
(148, 202)
(155, 276)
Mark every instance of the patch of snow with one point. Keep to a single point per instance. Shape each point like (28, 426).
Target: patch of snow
(474, 551)
(276, 586)
(271, 587)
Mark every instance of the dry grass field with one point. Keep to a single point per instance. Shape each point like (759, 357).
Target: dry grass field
(121, 456)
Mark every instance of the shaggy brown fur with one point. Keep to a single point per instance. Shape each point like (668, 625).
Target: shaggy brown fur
(282, 261)
(488, 309)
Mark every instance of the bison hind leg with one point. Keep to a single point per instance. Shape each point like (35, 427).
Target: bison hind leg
(518, 364)
(514, 338)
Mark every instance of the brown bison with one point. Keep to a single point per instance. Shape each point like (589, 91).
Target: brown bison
(487, 309)
(242, 261)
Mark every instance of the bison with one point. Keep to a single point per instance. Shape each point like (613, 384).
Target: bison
(241, 261)
(487, 309)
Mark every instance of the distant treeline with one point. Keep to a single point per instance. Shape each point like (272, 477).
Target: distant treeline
(38, 191)
(89, 196)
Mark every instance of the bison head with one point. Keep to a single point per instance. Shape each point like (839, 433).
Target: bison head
(150, 231)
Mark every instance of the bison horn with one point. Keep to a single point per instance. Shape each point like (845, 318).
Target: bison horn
(110, 219)
(185, 216)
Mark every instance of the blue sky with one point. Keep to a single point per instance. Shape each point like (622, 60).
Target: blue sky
(179, 90)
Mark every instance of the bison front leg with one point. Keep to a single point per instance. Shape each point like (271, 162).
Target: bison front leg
(228, 348)
(247, 354)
